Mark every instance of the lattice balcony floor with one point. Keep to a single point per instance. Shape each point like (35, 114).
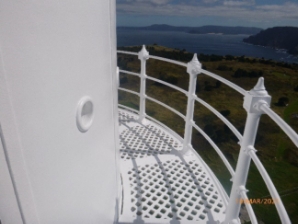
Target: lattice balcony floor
(159, 185)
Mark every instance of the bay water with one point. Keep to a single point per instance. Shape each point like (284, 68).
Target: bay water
(202, 43)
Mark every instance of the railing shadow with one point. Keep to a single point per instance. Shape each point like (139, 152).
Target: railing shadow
(173, 199)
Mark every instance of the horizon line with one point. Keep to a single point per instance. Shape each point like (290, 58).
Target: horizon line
(161, 24)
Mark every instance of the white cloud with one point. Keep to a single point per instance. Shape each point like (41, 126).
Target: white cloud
(160, 2)
(238, 3)
(288, 10)
(242, 9)
(210, 1)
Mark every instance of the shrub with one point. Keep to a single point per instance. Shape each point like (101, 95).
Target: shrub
(244, 73)
(217, 84)
(225, 113)
(223, 68)
(168, 78)
(282, 101)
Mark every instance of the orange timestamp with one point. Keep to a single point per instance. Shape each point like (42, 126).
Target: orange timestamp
(258, 201)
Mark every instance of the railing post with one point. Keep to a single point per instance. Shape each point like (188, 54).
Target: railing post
(252, 101)
(143, 56)
(193, 69)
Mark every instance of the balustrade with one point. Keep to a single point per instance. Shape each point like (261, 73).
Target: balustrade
(256, 103)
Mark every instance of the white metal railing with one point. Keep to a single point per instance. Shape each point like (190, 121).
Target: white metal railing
(283, 125)
(256, 102)
(221, 117)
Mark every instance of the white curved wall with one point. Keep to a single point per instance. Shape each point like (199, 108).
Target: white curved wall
(53, 53)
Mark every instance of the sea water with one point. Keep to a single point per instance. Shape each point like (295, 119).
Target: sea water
(202, 43)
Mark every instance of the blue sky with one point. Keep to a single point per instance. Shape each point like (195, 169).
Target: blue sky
(257, 13)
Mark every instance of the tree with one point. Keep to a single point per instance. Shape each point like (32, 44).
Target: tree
(217, 84)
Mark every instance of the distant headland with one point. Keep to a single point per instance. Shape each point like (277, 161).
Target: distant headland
(225, 30)
(285, 38)
(277, 37)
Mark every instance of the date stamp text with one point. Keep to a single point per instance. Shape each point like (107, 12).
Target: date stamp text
(258, 201)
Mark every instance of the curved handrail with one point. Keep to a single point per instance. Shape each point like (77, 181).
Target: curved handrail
(127, 52)
(217, 77)
(233, 129)
(231, 170)
(221, 117)
(168, 60)
(167, 84)
(232, 85)
(249, 209)
(130, 91)
(219, 152)
(273, 192)
(129, 73)
(190, 124)
(166, 106)
(225, 81)
(178, 137)
(281, 123)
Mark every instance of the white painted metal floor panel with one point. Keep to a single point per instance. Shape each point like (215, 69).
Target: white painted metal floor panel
(159, 185)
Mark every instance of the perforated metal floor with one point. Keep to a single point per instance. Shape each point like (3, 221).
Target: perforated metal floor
(159, 185)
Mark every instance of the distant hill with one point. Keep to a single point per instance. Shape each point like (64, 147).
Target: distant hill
(199, 30)
(157, 27)
(164, 27)
(277, 37)
(225, 30)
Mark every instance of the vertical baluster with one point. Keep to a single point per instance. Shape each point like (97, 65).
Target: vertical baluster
(143, 57)
(193, 69)
(252, 101)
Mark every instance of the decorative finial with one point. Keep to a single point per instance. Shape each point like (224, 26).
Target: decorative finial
(195, 58)
(194, 66)
(259, 88)
(143, 53)
(256, 97)
(260, 84)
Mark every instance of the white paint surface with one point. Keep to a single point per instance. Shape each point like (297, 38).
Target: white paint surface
(53, 53)
(8, 200)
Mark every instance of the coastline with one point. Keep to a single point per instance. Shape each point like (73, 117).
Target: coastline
(202, 44)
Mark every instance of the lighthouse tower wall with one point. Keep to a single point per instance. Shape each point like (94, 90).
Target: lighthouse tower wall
(57, 112)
